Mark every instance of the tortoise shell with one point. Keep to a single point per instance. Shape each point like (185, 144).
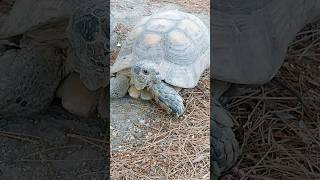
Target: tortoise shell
(251, 38)
(176, 42)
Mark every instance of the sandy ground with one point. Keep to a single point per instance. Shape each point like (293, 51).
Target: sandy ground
(146, 142)
(152, 145)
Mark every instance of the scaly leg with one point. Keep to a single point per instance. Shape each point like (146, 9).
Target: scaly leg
(168, 98)
(119, 86)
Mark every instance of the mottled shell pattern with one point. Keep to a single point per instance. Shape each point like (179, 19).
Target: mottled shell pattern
(88, 34)
(177, 42)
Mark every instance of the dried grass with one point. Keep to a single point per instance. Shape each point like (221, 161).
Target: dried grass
(195, 6)
(173, 148)
(279, 128)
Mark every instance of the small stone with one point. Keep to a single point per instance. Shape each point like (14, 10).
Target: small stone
(141, 120)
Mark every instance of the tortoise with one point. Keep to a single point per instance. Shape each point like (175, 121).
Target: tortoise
(164, 52)
(63, 49)
(250, 43)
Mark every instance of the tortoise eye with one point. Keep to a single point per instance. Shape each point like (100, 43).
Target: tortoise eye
(145, 72)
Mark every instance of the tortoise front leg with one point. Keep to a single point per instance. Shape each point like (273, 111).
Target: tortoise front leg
(119, 86)
(168, 98)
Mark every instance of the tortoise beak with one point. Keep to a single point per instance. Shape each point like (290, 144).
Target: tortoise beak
(138, 86)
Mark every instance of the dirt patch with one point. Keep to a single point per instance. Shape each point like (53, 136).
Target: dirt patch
(193, 6)
(166, 147)
(170, 148)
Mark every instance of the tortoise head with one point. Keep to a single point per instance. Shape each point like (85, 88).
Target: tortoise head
(145, 74)
(88, 34)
